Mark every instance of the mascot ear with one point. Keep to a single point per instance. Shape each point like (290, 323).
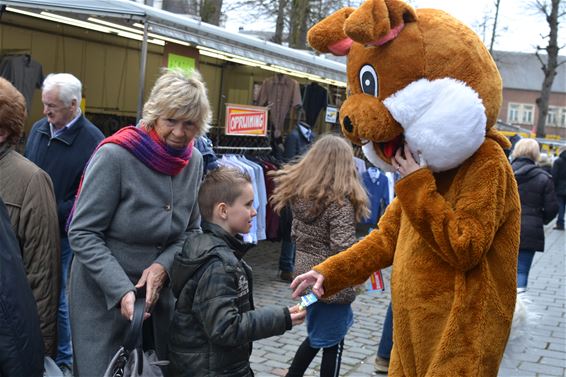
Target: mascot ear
(328, 35)
(377, 22)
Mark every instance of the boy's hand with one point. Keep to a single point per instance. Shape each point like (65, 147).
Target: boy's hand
(297, 315)
(309, 279)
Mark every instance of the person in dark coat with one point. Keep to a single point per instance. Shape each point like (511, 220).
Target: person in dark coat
(28, 194)
(21, 344)
(538, 204)
(215, 321)
(61, 143)
(559, 176)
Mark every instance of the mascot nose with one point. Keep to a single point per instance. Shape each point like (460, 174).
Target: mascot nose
(348, 126)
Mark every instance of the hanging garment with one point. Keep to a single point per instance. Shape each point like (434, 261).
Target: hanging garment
(24, 73)
(282, 94)
(315, 99)
(377, 186)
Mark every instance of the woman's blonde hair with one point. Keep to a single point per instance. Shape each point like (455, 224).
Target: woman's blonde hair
(325, 175)
(527, 148)
(178, 94)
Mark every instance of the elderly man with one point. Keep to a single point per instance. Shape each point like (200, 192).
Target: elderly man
(61, 144)
(28, 195)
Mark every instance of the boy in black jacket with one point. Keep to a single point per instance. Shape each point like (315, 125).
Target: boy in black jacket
(215, 322)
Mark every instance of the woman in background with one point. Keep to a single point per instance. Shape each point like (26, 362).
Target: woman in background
(538, 204)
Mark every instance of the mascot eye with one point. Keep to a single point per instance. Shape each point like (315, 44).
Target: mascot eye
(369, 81)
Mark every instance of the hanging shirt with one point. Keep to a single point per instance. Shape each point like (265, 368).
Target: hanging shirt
(24, 73)
(377, 186)
(315, 99)
(262, 196)
(282, 94)
(360, 165)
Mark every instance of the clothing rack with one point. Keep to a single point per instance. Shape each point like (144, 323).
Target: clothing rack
(244, 148)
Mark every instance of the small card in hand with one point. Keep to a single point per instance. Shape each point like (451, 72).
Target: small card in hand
(307, 300)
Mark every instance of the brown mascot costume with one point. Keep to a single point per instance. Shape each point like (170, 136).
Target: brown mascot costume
(423, 79)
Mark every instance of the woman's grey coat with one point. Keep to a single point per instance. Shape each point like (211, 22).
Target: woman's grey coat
(127, 217)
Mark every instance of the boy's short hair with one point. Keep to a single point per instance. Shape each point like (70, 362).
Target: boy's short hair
(222, 185)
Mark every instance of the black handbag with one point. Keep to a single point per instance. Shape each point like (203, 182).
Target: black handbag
(131, 360)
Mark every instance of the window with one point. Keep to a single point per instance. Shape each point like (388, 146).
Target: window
(562, 122)
(513, 116)
(528, 112)
(521, 113)
(552, 116)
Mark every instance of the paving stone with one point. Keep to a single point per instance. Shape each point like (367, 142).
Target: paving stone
(540, 355)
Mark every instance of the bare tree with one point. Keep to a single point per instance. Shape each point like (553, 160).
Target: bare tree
(180, 6)
(494, 29)
(553, 11)
(210, 11)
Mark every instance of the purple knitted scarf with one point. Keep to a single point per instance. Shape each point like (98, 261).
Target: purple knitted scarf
(149, 149)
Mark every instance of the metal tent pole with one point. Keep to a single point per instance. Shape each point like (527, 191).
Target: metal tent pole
(143, 61)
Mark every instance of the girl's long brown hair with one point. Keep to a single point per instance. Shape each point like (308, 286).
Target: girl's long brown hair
(325, 175)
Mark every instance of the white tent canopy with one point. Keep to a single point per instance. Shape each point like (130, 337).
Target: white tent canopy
(184, 29)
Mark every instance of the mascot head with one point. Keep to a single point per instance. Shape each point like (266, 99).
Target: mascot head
(415, 76)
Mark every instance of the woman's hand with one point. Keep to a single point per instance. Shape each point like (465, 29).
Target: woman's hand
(406, 165)
(127, 305)
(153, 278)
(297, 315)
(310, 279)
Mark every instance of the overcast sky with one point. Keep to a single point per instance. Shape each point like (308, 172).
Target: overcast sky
(519, 27)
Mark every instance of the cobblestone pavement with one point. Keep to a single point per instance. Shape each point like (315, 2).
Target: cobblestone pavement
(540, 352)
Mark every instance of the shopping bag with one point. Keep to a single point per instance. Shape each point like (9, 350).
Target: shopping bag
(50, 368)
(131, 360)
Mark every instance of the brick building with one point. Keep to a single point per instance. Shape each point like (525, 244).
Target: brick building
(522, 81)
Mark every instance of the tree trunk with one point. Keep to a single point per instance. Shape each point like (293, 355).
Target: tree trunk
(549, 68)
(494, 30)
(178, 6)
(280, 22)
(210, 11)
(298, 24)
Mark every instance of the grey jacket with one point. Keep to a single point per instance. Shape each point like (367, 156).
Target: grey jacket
(215, 321)
(127, 217)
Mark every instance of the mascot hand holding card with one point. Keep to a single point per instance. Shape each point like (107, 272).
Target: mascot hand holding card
(421, 78)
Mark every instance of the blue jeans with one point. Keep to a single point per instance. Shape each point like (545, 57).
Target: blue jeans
(386, 342)
(561, 207)
(287, 256)
(524, 266)
(64, 348)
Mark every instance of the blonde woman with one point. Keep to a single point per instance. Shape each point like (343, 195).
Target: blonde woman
(538, 204)
(136, 203)
(327, 198)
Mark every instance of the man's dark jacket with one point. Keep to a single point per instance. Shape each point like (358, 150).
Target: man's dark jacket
(296, 143)
(538, 202)
(215, 323)
(21, 345)
(559, 174)
(64, 158)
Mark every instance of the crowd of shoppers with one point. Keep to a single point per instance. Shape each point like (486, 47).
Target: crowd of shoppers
(114, 214)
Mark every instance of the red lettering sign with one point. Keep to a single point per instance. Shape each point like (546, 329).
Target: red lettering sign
(246, 120)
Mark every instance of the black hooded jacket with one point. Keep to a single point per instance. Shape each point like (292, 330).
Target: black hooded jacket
(21, 344)
(559, 174)
(538, 202)
(215, 322)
